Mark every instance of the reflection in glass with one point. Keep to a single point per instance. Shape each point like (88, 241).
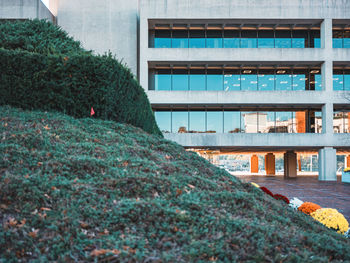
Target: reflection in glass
(232, 80)
(283, 79)
(300, 38)
(179, 121)
(197, 121)
(163, 119)
(249, 122)
(338, 82)
(197, 39)
(284, 122)
(180, 39)
(299, 79)
(215, 122)
(197, 79)
(346, 79)
(232, 122)
(249, 80)
(266, 79)
(266, 121)
(214, 79)
(162, 80)
(180, 79)
(318, 122)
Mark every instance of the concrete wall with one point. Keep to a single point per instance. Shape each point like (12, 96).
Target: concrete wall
(24, 9)
(103, 25)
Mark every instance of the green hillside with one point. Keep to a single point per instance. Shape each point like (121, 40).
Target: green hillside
(77, 190)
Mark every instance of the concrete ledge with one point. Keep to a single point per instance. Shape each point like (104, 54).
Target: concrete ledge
(256, 140)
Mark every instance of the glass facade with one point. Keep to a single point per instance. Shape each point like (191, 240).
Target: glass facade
(201, 121)
(341, 38)
(341, 79)
(236, 79)
(341, 123)
(252, 38)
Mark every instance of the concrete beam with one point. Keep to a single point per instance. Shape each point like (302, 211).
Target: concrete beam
(327, 164)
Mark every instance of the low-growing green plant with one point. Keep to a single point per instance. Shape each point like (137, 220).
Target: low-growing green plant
(87, 189)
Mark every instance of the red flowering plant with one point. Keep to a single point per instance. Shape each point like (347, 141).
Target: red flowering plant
(267, 191)
(281, 197)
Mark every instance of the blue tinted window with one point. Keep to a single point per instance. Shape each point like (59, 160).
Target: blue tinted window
(197, 121)
(215, 81)
(337, 42)
(232, 81)
(317, 43)
(346, 82)
(232, 42)
(197, 80)
(179, 121)
(180, 39)
(298, 43)
(163, 119)
(283, 82)
(266, 81)
(318, 82)
(248, 43)
(162, 81)
(214, 39)
(180, 81)
(197, 39)
(299, 82)
(232, 122)
(338, 82)
(266, 43)
(283, 42)
(162, 39)
(215, 121)
(249, 82)
(346, 42)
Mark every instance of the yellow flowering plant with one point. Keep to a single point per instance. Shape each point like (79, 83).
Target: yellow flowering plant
(347, 169)
(331, 218)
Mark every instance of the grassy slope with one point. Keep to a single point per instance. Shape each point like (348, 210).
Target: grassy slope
(90, 184)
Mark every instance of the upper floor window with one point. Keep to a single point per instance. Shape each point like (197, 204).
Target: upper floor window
(341, 79)
(234, 79)
(237, 38)
(341, 34)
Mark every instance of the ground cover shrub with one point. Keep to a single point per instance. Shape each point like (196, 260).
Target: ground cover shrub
(331, 218)
(281, 197)
(267, 191)
(308, 207)
(82, 190)
(56, 74)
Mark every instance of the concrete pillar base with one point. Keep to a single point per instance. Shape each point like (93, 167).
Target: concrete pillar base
(270, 164)
(327, 164)
(254, 164)
(290, 164)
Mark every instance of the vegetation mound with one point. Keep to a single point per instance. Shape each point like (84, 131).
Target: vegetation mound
(43, 68)
(87, 189)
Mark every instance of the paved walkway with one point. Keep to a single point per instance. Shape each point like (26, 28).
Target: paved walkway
(308, 188)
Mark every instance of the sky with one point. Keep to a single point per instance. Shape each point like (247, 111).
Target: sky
(46, 2)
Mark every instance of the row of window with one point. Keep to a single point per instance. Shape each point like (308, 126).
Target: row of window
(235, 39)
(341, 122)
(231, 80)
(341, 79)
(239, 121)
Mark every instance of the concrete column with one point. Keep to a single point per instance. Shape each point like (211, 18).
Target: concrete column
(270, 164)
(254, 164)
(326, 33)
(290, 164)
(327, 118)
(327, 164)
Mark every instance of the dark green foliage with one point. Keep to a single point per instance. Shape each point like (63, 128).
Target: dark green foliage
(112, 186)
(37, 36)
(60, 76)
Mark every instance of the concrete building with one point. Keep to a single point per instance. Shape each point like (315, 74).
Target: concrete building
(227, 76)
